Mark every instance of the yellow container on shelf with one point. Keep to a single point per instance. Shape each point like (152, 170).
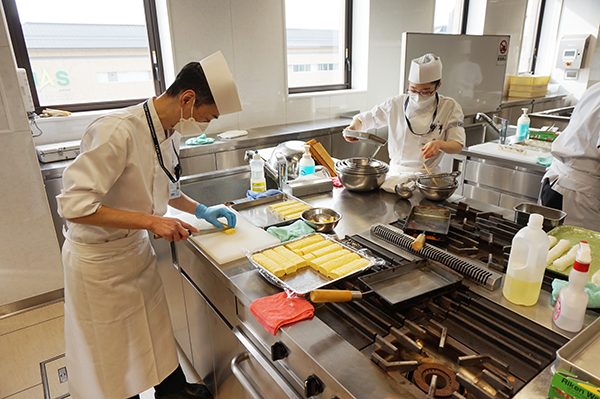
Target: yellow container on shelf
(528, 80)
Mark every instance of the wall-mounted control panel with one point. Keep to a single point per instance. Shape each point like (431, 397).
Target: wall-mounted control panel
(571, 51)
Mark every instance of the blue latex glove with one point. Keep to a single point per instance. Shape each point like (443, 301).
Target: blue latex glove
(256, 195)
(211, 215)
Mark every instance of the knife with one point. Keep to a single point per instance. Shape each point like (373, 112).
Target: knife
(202, 232)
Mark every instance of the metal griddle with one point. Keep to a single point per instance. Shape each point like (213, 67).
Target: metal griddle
(431, 220)
(408, 284)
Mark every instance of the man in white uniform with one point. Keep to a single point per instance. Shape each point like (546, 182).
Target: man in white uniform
(119, 339)
(422, 125)
(572, 182)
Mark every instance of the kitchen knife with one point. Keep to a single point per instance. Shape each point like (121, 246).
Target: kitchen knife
(202, 232)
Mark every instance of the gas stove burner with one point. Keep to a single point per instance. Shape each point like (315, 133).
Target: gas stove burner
(446, 379)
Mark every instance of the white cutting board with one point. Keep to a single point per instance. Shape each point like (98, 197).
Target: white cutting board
(225, 248)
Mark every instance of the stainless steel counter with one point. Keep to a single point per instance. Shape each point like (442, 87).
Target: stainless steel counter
(339, 363)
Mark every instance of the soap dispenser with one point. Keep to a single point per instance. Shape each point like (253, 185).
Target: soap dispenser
(523, 126)
(306, 166)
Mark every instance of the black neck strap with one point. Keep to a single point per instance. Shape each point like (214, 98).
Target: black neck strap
(432, 125)
(157, 148)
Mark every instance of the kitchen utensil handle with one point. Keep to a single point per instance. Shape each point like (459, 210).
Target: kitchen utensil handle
(157, 236)
(325, 296)
(429, 171)
(418, 243)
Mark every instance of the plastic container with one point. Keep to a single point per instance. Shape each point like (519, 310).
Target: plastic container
(523, 126)
(306, 166)
(257, 173)
(526, 263)
(572, 300)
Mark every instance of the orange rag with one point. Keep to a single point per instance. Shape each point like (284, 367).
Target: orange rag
(278, 310)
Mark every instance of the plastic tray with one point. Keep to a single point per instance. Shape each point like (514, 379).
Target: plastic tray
(307, 279)
(574, 235)
(580, 355)
(257, 211)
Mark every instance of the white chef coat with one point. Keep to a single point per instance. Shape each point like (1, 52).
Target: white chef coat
(575, 170)
(119, 339)
(404, 147)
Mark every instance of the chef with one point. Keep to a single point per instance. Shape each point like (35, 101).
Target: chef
(422, 124)
(119, 340)
(572, 182)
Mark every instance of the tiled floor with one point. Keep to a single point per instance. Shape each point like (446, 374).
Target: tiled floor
(31, 345)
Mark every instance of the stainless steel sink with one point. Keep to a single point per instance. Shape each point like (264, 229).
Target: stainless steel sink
(558, 117)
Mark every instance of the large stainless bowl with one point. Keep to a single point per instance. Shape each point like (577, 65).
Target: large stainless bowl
(436, 193)
(361, 174)
(323, 220)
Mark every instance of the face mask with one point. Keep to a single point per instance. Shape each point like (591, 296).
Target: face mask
(189, 127)
(421, 101)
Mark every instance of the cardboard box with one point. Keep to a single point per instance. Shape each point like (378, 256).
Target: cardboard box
(566, 385)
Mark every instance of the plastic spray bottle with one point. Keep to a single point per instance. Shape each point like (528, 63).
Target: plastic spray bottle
(527, 263)
(306, 165)
(572, 301)
(257, 171)
(523, 126)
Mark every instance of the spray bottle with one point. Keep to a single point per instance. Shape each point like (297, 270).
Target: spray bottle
(527, 263)
(572, 301)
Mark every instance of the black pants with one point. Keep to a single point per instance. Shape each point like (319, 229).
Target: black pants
(172, 384)
(550, 197)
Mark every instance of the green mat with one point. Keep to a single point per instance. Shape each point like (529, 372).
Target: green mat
(574, 235)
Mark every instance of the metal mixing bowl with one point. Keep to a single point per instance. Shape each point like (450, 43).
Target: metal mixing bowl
(435, 193)
(361, 174)
(317, 218)
(361, 182)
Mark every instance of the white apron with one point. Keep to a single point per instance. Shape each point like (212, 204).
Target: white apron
(118, 334)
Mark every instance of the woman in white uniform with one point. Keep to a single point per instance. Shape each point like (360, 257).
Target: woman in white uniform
(422, 124)
(572, 182)
(119, 339)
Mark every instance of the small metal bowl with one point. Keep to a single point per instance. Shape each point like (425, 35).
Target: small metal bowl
(317, 218)
(437, 193)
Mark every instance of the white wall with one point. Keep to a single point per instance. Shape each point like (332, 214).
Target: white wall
(30, 263)
(571, 17)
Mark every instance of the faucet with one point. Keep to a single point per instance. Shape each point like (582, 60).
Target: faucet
(500, 129)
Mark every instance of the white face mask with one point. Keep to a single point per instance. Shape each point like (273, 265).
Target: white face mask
(189, 127)
(421, 101)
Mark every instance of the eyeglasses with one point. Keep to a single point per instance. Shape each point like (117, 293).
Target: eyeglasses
(427, 93)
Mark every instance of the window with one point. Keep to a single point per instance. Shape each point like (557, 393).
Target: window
(83, 55)
(318, 44)
(529, 44)
(448, 16)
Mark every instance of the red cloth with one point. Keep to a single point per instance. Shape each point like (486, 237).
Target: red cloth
(336, 181)
(278, 310)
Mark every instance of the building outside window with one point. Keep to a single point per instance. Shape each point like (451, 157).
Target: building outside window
(318, 44)
(447, 16)
(81, 53)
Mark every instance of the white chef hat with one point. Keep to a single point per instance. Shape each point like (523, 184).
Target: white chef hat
(425, 69)
(221, 83)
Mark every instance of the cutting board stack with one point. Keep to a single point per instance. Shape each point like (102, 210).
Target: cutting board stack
(528, 86)
(321, 156)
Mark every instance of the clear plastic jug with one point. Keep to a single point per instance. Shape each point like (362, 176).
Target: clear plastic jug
(527, 263)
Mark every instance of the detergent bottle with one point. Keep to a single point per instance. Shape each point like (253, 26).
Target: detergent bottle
(257, 173)
(527, 263)
(572, 300)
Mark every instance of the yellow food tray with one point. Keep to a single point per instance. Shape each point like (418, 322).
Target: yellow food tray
(307, 279)
(574, 235)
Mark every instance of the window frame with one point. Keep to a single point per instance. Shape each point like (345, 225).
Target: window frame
(22, 58)
(347, 62)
